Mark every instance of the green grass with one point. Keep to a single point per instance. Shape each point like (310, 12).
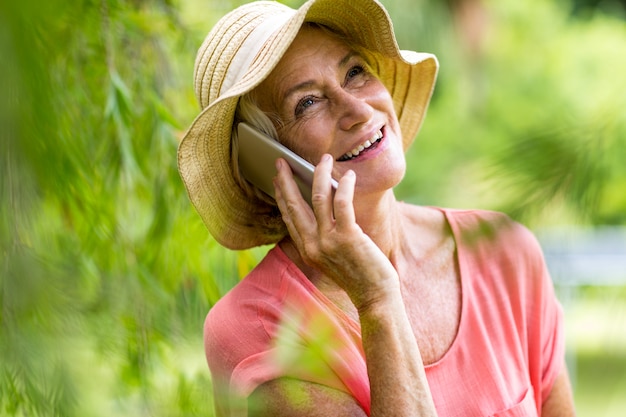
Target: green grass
(600, 389)
(596, 337)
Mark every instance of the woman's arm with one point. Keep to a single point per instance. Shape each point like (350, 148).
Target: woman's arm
(396, 372)
(292, 397)
(329, 239)
(397, 379)
(560, 402)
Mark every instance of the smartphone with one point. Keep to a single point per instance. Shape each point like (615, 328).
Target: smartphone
(257, 160)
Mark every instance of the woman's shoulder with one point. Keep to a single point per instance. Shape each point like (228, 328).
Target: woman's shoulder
(494, 238)
(496, 245)
(241, 322)
(256, 302)
(477, 225)
(477, 217)
(260, 287)
(467, 225)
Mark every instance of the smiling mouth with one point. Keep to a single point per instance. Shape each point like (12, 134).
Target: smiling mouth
(362, 147)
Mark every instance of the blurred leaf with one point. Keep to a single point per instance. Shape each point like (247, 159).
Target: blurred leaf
(547, 165)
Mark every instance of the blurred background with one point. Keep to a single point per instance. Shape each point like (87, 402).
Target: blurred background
(107, 273)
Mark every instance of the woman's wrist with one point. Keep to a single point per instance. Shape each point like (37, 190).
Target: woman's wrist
(378, 302)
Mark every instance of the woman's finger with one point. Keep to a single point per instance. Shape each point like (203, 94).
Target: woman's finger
(343, 202)
(295, 211)
(322, 193)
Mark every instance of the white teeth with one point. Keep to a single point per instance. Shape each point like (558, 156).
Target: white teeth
(356, 151)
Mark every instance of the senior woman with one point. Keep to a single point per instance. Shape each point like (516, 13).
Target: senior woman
(364, 305)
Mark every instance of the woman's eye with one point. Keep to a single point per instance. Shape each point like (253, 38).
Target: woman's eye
(303, 104)
(354, 71)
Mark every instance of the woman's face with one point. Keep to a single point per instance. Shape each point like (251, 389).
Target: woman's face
(329, 101)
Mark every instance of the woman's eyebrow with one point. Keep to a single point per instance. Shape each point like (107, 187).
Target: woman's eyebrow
(346, 58)
(294, 89)
(309, 83)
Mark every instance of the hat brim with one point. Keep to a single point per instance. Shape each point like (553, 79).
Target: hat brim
(204, 156)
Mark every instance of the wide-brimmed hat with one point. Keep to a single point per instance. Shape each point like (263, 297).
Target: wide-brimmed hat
(236, 56)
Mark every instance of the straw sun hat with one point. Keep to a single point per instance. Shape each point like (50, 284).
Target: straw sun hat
(240, 52)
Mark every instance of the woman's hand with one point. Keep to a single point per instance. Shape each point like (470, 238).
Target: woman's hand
(328, 237)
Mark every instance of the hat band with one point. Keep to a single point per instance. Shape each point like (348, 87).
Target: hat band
(251, 47)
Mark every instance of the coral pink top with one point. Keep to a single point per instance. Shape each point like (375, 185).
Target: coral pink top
(504, 360)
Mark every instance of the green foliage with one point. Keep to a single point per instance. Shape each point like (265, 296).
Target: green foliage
(529, 119)
(96, 280)
(106, 272)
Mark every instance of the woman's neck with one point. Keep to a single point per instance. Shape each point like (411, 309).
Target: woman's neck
(381, 220)
(404, 233)
(407, 234)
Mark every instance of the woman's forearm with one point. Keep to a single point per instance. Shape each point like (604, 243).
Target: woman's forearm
(396, 372)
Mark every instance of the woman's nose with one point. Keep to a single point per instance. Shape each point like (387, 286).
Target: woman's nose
(352, 110)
